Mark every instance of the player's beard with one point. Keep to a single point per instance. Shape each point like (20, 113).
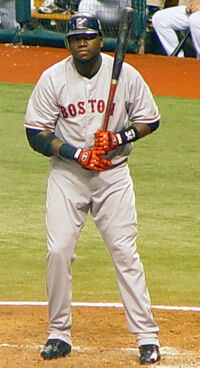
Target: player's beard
(88, 66)
(90, 59)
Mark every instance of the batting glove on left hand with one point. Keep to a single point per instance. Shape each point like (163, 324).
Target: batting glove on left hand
(108, 140)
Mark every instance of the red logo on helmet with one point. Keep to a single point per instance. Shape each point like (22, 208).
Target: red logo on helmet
(80, 22)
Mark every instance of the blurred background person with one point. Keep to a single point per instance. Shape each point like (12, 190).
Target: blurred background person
(8, 14)
(108, 11)
(52, 6)
(178, 18)
(153, 6)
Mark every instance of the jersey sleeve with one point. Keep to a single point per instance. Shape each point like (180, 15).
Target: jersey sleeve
(42, 109)
(141, 106)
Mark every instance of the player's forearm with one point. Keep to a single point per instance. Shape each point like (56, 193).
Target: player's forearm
(145, 129)
(55, 143)
(109, 140)
(135, 132)
(48, 144)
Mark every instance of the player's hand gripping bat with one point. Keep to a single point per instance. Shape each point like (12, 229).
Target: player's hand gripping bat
(124, 30)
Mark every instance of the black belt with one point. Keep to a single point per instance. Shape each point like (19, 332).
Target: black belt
(120, 163)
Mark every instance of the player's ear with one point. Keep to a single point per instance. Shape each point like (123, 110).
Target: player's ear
(101, 42)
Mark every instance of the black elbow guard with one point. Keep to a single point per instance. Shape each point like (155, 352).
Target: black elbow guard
(40, 142)
(154, 126)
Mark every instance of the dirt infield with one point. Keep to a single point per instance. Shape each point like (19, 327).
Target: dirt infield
(100, 335)
(100, 338)
(166, 76)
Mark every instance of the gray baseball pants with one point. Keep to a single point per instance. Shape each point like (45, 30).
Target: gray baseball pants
(71, 193)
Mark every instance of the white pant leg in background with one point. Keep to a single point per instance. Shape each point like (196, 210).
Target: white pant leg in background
(166, 22)
(194, 25)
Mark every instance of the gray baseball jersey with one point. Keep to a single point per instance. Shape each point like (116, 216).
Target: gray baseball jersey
(73, 107)
(75, 113)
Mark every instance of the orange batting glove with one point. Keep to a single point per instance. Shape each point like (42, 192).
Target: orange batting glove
(107, 140)
(91, 160)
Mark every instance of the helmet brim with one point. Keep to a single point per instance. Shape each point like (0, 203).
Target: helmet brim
(86, 31)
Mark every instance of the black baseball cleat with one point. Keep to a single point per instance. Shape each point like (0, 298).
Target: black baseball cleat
(149, 354)
(55, 348)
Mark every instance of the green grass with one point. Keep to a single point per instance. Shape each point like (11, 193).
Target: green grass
(165, 170)
(168, 202)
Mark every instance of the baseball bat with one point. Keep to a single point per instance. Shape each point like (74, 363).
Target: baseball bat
(121, 46)
(180, 45)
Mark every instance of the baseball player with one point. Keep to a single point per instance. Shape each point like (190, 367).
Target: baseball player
(89, 173)
(107, 11)
(176, 18)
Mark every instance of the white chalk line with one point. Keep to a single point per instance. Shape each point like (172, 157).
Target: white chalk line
(104, 305)
(164, 350)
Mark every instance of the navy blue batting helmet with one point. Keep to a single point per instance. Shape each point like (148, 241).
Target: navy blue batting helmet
(83, 23)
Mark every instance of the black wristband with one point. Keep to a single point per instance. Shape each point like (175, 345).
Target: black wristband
(129, 134)
(67, 151)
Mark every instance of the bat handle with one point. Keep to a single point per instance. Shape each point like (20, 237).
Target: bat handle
(109, 104)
